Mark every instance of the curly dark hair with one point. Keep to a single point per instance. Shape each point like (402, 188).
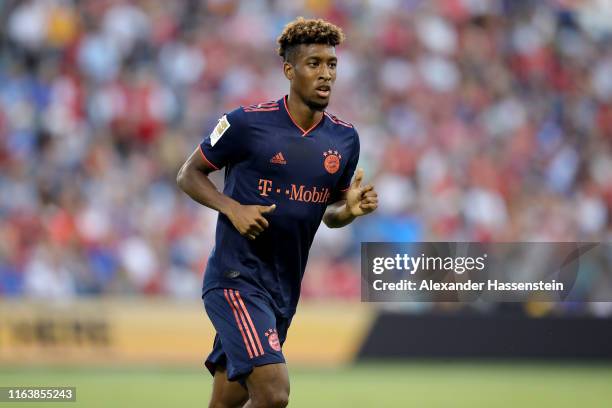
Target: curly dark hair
(307, 31)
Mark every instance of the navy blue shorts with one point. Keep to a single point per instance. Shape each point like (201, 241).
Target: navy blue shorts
(249, 333)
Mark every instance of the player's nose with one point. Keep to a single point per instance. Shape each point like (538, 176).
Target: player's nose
(326, 74)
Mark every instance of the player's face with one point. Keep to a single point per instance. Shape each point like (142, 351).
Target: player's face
(314, 73)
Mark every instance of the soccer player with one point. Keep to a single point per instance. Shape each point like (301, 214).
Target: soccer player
(288, 165)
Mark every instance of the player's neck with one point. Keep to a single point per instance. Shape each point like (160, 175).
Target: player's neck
(301, 113)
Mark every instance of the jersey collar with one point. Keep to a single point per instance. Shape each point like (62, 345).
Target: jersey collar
(304, 132)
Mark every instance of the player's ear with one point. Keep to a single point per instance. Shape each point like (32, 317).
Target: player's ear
(288, 70)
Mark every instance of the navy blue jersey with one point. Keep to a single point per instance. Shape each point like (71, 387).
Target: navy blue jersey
(269, 159)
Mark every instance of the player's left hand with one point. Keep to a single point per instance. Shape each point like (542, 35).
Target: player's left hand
(361, 200)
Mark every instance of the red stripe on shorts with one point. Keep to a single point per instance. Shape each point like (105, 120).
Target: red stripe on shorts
(244, 323)
(250, 321)
(246, 344)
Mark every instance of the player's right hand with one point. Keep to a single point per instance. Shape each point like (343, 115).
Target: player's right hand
(249, 220)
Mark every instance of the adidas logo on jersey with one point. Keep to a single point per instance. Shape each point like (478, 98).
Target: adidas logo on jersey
(278, 159)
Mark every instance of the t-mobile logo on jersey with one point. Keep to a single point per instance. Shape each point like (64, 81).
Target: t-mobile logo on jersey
(265, 186)
(300, 193)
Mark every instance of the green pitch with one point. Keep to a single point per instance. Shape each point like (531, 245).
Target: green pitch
(369, 385)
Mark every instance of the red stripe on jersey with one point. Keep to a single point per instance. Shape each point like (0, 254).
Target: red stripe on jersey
(273, 104)
(207, 161)
(260, 109)
(266, 104)
(338, 121)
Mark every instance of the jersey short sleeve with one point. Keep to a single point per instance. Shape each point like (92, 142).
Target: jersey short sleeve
(345, 180)
(226, 143)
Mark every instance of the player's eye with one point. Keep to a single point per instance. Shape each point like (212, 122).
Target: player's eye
(332, 65)
(313, 64)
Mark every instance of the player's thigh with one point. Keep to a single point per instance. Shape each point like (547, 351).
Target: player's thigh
(227, 394)
(269, 385)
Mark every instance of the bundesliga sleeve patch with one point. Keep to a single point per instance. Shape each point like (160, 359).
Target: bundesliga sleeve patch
(219, 130)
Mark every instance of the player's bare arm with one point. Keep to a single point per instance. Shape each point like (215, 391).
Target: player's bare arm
(193, 179)
(358, 200)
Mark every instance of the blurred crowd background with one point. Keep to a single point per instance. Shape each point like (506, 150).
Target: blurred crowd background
(479, 121)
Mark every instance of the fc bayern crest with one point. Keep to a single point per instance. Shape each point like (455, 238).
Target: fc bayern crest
(332, 161)
(273, 339)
